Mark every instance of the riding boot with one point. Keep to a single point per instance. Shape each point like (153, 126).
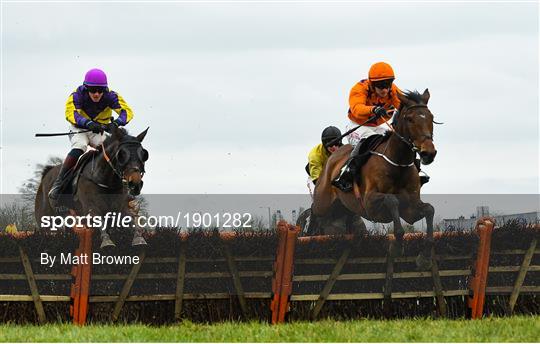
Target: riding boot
(424, 178)
(344, 181)
(68, 164)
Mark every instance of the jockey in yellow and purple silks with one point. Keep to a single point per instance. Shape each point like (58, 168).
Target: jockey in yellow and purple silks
(90, 107)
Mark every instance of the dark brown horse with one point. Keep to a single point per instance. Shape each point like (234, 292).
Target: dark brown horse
(106, 184)
(388, 186)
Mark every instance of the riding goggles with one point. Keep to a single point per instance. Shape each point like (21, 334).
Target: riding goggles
(382, 84)
(95, 89)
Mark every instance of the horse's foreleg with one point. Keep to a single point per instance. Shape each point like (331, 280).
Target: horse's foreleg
(378, 205)
(106, 241)
(415, 213)
(423, 261)
(355, 225)
(392, 204)
(133, 210)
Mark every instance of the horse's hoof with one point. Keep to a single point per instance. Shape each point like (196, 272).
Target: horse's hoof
(423, 263)
(107, 243)
(138, 241)
(396, 249)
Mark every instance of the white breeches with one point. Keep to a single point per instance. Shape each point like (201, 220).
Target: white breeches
(83, 140)
(364, 132)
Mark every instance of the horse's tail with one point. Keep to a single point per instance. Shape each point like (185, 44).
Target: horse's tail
(46, 170)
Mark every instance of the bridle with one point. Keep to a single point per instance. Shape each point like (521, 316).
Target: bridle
(114, 168)
(408, 141)
(410, 144)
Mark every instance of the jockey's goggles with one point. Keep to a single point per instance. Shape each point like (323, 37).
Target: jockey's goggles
(95, 89)
(329, 143)
(382, 84)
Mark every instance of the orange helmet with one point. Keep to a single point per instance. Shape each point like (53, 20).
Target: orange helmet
(381, 71)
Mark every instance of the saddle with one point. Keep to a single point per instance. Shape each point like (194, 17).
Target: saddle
(362, 154)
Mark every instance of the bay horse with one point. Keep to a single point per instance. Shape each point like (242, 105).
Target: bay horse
(387, 186)
(107, 181)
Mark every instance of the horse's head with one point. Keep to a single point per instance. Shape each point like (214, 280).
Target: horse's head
(127, 158)
(415, 124)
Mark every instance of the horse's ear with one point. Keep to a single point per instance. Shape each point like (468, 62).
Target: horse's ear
(425, 96)
(141, 136)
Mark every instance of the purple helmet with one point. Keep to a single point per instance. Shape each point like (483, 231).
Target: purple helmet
(95, 77)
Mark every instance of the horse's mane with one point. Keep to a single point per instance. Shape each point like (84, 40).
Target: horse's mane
(414, 96)
(46, 170)
(110, 139)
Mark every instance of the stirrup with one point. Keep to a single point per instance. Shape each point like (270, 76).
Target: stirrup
(341, 181)
(54, 192)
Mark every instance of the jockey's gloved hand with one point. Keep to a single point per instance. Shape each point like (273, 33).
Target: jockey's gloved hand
(111, 126)
(95, 127)
(379, 111)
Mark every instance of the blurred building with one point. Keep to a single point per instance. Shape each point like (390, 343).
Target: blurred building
(469, 223)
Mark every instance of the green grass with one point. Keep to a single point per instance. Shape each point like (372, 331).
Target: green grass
(514, 329)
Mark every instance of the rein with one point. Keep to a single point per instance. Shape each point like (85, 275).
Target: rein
(108, 160)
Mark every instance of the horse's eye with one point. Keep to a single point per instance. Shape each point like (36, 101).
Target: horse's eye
(123, 156)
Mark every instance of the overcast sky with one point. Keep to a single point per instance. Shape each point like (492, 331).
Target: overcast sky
(236, 94)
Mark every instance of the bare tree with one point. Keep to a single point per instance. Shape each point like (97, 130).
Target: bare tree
(29, 187)
(21, 211)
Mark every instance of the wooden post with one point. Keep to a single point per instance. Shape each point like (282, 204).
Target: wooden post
(479, 282)
(179, 296)
(437, 285)
(288, 268)
(278, 271)
(127, 286)
(75, 290)
(283, 271)
(86, 272)
(330, 282)
(387, 300)
(236, 279)
(33, 286)
(80, 288)
(521, 276)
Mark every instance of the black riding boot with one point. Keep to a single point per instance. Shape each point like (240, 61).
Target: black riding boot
(68, 164)
(344, 181)
(424, 178)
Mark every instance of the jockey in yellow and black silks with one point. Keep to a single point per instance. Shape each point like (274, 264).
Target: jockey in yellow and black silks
(317, 157)
(90, 107)
(373, 100)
